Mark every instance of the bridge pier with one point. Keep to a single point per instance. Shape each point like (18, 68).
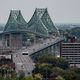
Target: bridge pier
(54, 46)
(52, 49)
(48, 50)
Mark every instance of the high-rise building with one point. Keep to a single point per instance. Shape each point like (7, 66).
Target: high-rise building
(71, 51)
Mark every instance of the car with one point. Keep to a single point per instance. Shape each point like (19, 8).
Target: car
(25, 53)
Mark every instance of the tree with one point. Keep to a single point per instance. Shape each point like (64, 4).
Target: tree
(38, 77)
(21, 75)
(44, 69)
(55, 62)
(28, 78)
(60, 78)
(62, 63)
(56, 71)
(70, 74)
(1, 78)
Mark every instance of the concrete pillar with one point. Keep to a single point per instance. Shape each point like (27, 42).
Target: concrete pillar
(43, 51)
(21, 39)
(46, 51)
(10, 40)
(34, 39)
(57, 47)
(3, 39)
(54, 49)
(49, 50)
(7, 40)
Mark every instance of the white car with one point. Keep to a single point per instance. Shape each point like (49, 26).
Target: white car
(25, 53)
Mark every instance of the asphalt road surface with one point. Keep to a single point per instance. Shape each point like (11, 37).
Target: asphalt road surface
(24, 62)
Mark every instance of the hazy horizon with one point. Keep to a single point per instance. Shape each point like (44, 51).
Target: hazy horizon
(61, 11)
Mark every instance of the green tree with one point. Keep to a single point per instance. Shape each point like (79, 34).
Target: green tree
(55, 62)
(60, 78)
(70, 74)
(62, 63)
(1, 78)
(28, 78)
(38, 77)
(21, 75)
(44, 69)
(56, 71)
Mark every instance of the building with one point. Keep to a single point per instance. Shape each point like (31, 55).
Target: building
(6, 60)
(71, 51)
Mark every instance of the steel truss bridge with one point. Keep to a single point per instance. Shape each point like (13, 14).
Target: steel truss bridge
(41, 25)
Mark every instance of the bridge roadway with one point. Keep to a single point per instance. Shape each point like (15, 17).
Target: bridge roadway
(24, 62)
(41, 45)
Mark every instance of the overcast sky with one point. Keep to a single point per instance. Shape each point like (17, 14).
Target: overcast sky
(61, 11)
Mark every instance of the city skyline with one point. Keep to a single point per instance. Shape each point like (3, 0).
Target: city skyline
(63, 11)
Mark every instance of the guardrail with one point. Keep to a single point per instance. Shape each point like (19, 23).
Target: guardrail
(46, 46)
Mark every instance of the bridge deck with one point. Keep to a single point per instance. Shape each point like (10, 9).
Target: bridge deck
(40, 46)
(24, 62)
